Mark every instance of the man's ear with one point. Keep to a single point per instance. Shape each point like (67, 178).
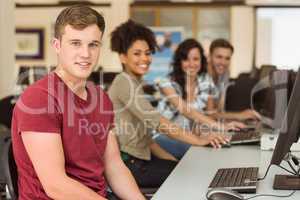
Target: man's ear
(123, 58)
(56, 44)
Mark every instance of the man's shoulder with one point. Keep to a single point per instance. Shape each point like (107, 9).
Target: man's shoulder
(38, 91)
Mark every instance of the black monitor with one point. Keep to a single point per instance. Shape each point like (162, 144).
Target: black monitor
(270, 97)
(289, 134)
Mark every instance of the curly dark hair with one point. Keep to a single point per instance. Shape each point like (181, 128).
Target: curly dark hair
(181, 53)
(127, 33)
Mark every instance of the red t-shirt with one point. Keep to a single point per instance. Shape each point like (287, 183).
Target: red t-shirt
(50, 106)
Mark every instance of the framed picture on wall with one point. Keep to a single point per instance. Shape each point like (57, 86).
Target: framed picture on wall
(167, 39)
(29, 43)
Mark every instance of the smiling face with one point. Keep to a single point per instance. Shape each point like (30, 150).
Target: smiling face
(78, 52)
(138, 58)
(192, 64)
(220, 60)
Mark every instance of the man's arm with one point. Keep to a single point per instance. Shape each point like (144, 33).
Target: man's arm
(117, 174)
(242, 115)
(45, 151)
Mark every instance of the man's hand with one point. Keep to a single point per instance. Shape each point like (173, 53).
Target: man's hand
(250, 114)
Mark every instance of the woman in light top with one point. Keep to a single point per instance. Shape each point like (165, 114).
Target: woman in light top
(135, 118)
(185, 93)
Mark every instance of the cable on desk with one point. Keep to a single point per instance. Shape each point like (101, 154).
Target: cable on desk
(287, 170)
(294, 172)
(259, 179)
(272, 195)
(292, 167)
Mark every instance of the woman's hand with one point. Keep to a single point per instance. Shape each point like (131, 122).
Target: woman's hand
(234, 126)
(216, 140)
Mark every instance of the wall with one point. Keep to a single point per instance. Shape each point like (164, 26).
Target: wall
(242, 38)
(7, 69)
(264, 42)
(242, 19)
(44, 17)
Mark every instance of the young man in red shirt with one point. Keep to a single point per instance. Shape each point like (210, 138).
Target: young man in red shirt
(61, 124)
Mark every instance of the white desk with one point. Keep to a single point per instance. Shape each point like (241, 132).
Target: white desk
(191, 177)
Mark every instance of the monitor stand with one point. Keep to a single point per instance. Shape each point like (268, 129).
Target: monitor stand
(286, 182)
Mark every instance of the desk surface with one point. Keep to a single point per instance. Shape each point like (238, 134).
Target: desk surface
(191, 177)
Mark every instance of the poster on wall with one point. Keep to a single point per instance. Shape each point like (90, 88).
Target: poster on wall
(29, 43)
(168, 38)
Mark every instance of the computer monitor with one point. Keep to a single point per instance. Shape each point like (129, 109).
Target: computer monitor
(289, 134)
(289, 131)
(270, 97)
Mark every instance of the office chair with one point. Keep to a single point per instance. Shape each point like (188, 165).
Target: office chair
(148, 192)
(95, 77)
(7, 105)
(238, 96)
(4, 136)
(10, 170)
(266, 70)
(106, 78)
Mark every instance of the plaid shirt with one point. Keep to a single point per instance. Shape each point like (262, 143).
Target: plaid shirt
(205, 88)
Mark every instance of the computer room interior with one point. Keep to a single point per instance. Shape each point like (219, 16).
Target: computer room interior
(262, 32)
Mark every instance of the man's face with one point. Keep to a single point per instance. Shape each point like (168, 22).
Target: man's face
(78, 51)
(220, 60)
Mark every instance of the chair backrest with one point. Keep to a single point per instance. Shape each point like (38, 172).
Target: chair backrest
(238, 95)
(10, 170)
(4, 135)
(6, 106)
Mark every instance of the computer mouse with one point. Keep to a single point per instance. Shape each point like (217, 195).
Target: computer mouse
(223, 194)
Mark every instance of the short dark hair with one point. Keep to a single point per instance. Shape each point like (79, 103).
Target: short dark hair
(79, 17)
(127, 33)
(220, 43)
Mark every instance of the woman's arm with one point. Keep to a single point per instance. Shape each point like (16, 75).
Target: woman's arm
(183, 108)
(174, 131)
(160, 152)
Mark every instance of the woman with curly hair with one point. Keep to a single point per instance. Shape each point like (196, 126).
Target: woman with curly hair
(135, 118)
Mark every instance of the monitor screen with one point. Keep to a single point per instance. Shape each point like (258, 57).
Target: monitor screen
(289, 131)
(270, 97)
